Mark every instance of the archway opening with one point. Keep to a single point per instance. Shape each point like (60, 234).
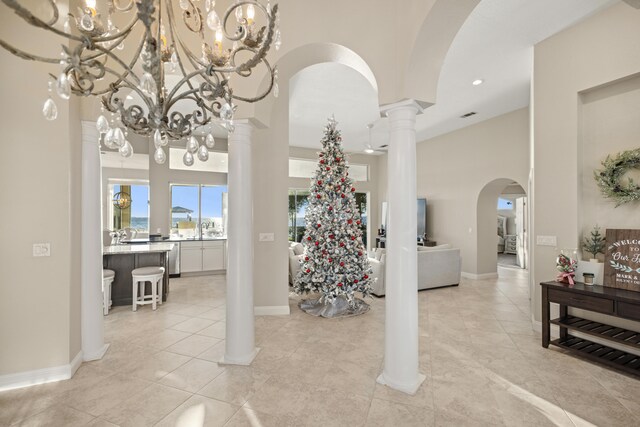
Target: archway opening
(502, 227)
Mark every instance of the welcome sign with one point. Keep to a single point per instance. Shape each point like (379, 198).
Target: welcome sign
(622, 260)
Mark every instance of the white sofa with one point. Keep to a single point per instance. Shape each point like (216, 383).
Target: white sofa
(438, 266)
(296, 251)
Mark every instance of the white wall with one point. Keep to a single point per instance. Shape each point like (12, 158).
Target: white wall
(40, 174)
(596, 52)
(452, 171)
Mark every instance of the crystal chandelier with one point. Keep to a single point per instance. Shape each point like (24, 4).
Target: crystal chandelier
(159, 86)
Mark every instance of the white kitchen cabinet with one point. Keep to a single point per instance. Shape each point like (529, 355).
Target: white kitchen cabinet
(198, 256)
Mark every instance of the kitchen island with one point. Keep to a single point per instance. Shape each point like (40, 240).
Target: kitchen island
(123, 259)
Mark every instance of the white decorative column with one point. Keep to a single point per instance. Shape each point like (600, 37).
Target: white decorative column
(240, 346)
(93, 346)
(401, 324)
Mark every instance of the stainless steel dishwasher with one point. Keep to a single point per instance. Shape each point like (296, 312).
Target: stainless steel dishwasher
(174, 260)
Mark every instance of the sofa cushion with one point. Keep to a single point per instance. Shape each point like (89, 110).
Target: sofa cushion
(298, 249)
(379, 253)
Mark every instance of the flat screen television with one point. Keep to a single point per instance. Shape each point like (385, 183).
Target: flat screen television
(422, 217)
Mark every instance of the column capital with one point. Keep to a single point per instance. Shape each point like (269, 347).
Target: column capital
(403, 105)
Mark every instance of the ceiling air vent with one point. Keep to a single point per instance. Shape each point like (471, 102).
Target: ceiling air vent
(384, 146)
(464, 116)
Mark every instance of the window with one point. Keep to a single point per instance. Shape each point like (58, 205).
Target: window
(306, 168)
(198, 211)
(505, 204)
(298, 202)
(133, 215)
(218, 162)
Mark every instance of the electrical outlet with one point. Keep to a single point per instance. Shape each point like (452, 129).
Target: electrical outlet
(41, 249)
(546, 241)
(267, 237)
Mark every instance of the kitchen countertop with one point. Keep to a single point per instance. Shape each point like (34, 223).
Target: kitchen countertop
(137, 249)
(173, 239)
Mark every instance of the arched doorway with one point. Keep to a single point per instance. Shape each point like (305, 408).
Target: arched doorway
(502, 234)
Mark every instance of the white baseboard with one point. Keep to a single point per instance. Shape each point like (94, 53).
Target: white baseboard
(97, 355)
(272, 310)
(40, 376)
(479, 276)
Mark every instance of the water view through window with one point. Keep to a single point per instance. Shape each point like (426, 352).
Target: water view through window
(198, 211)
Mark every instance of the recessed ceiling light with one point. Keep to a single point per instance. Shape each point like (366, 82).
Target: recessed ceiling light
(477, 82)
(369, 150)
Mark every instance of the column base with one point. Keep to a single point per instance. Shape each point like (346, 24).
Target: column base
(403, 387)
(96, 355)
(244, 361)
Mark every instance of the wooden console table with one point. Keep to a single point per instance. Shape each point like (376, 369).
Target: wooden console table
(611, 301)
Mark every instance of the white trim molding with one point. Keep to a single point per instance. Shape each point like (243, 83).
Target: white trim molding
(483, 276)
(41, 376)
(272, 310)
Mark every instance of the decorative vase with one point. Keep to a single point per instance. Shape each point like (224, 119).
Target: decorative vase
(594, 260)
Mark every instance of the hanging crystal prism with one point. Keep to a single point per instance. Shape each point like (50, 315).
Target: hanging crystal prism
(126, 150)
(159, 156)
(203, 153)
(213, 20)
(192, 144)
(187, 159)
(209, 141)
(63, 87)
(108, 139)
(119, 139)
(147, 85)
(102, 124)
(277, 41)
(67, 26)
(226, 112)
(50, 110)
(239, 13)
(159, 140)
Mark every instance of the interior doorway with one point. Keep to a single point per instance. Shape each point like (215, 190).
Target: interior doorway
(502, 228)
(512, 227)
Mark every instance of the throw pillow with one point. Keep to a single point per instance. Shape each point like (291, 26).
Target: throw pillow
(298, 249)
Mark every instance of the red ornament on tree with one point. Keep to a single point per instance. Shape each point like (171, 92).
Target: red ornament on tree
(306, 258)
(341, 245)
(342, 195)
(328, 168)
(309, 238)
(317, 243)
(349, 221)
(353, 189)
(355, 281)
(342, 179)
(331, 236)
(308, 271)
(318, 197)
(337, 159)
(319, 182)
(322, 161)
(342, 264)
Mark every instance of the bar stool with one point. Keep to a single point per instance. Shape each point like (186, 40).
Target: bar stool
(140, 278)
(108, 277)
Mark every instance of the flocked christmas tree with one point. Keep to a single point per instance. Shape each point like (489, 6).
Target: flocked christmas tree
(335, 262)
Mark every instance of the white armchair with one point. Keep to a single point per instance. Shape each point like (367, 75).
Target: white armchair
(296, 251)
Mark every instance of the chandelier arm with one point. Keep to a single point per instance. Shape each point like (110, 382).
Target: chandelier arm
(24, 55)
(187, 79)
(173, 30)
(128, 69)
(116, 5)
(260, 53)
(122, 34)
(56, 13)
(266, 91)
(30, 18)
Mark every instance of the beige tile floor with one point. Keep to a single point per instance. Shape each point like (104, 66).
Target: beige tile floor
(484, 366)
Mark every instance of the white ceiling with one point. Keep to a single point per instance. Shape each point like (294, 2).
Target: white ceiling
(322, 90)
(495, 44)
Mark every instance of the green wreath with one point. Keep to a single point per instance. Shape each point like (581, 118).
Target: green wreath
(609, 178)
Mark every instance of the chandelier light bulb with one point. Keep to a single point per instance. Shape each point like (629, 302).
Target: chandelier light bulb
(91, 4)
(251, 14)
(184, 4)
